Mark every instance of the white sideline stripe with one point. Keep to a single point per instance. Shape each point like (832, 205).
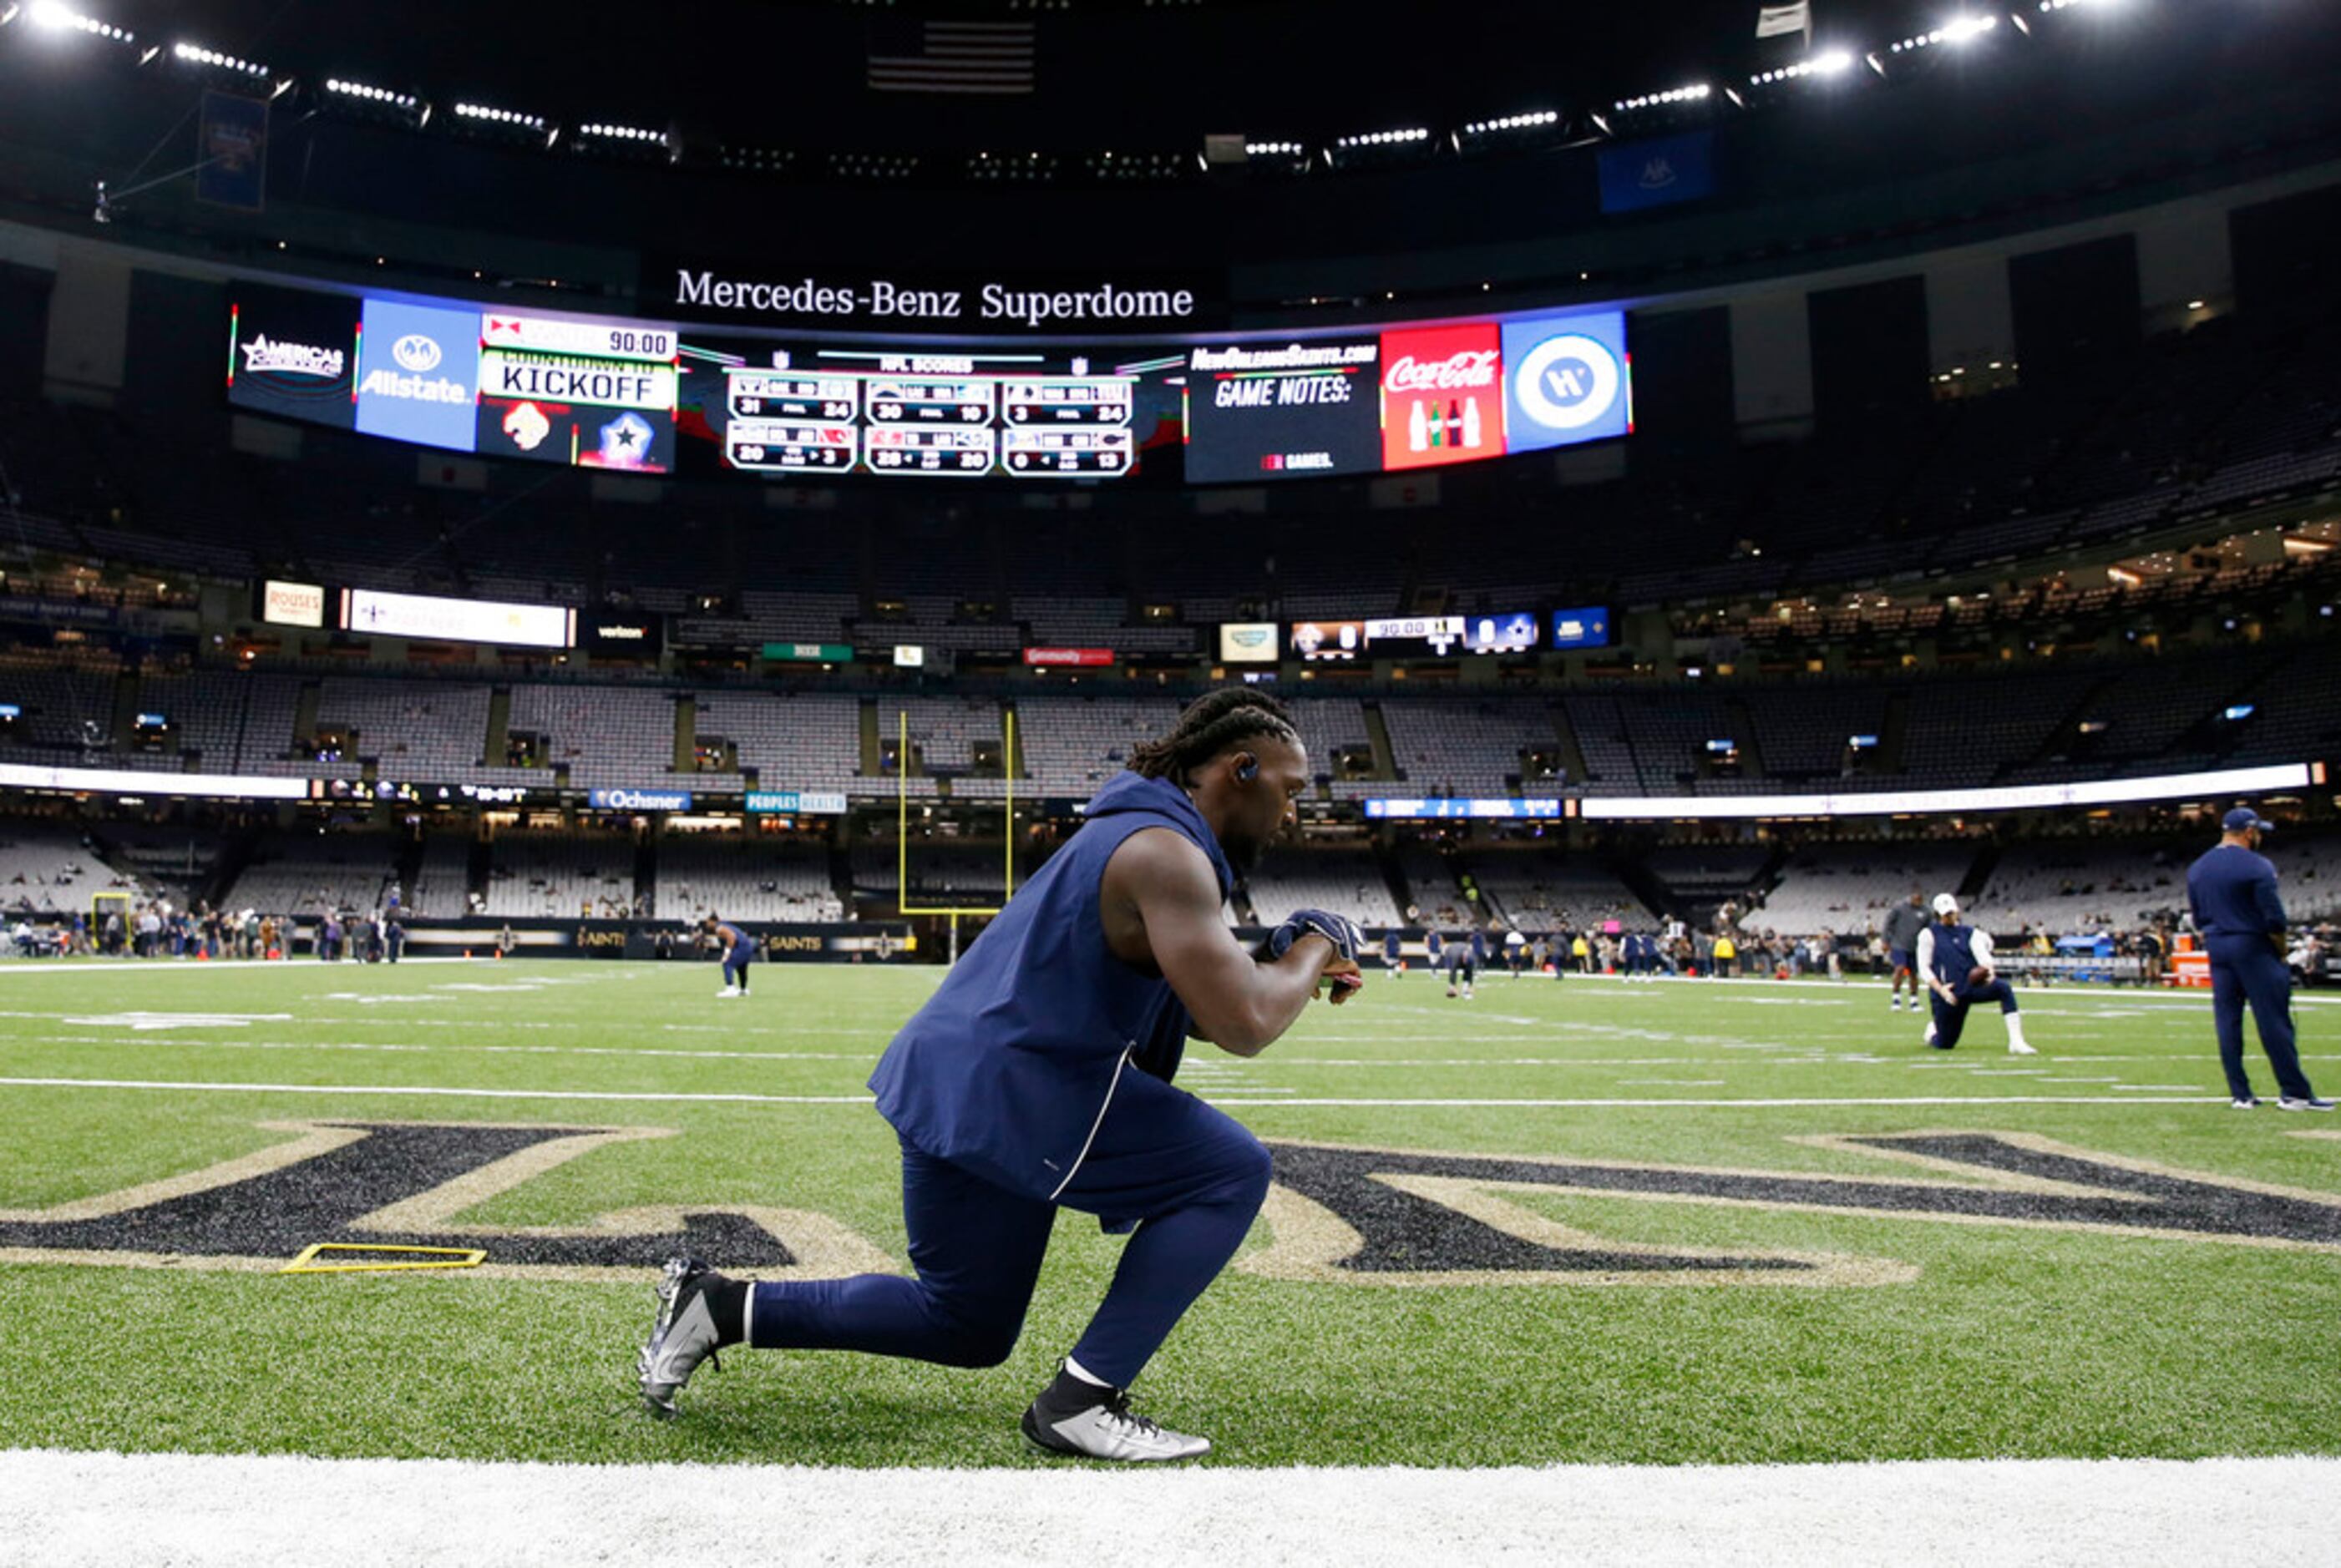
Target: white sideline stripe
(88, 965)
(70, 1509)
(416, 1089)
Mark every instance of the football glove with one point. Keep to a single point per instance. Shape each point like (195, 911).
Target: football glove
(1337, 930)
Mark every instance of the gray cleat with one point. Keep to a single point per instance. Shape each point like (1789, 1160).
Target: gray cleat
(1107, 1430)
(682, 1335)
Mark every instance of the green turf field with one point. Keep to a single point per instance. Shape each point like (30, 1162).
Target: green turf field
(1631, 1224)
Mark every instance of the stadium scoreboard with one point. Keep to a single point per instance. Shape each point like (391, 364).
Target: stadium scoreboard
(615, 393)
(926, 415)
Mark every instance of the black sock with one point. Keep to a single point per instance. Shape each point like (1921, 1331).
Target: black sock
(1069, 1394)
(727, 1304)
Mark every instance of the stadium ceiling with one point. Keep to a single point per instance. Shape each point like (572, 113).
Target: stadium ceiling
(1151, 76)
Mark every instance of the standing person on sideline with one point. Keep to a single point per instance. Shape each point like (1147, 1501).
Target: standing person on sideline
(1955, 963)
(2232, 892)
(1037, 1076)
(737, 949)
(1394, 952)
(1903, 922)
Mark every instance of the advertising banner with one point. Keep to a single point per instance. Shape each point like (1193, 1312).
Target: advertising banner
(795, 803)
(1513, 633)
(1248, 643)
(1585, 628)
(1499, 809)
(1069, 656)
(609, 631)
(418, 374)
(458, 619)
(1321, 639)
(292, 604)
(638, 799)
(292, 354)
(1442, 395)
(1566, 379)
(1281, 411)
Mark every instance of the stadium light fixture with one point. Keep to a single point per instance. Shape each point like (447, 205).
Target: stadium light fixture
(487, 115)
(616, 132)
(49, 16)
(1534, 120)
(197, 55)
(360, 92)
(1384, 138)
(1696, 91)
(1826, 64)
(1958, 30)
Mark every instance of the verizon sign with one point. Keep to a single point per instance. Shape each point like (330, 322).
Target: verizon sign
(292, 604)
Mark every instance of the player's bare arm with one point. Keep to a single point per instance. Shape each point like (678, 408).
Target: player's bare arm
(1161, 907)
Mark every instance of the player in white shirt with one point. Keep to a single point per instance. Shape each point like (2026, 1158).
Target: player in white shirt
(1955, 966)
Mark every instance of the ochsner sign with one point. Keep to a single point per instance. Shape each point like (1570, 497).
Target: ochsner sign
(638, 799)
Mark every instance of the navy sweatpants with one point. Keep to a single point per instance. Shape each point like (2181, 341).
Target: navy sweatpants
(1951, 1017)
(1190, 1177)
(2247, 969)
(735, 966)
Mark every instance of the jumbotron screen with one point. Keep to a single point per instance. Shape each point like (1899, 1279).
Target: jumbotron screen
(623, 394)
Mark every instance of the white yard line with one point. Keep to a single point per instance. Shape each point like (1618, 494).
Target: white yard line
(420, 1091)
(65, 1510)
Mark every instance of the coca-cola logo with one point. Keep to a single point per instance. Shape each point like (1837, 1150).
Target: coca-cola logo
(1464, 367)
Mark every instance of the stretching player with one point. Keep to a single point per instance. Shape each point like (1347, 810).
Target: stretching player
(736, 948)
(1037, 1076)
(1903, 922)
(1955, 963)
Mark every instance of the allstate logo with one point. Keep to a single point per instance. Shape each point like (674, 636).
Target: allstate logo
(416, 351)
(1567, 382)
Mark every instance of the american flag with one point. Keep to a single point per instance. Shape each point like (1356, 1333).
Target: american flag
(989, 57)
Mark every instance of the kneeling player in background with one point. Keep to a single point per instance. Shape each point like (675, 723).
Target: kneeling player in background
(1955, 966)
(736, 948)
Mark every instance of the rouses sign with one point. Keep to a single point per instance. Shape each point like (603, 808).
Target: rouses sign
(292, 603)
(1082, 656)
(795, 803)
(638, 799)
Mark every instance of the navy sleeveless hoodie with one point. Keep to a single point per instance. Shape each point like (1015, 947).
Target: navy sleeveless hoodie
(1009, 1069)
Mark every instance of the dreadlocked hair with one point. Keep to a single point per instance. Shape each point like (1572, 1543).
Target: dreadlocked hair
(1210, 725)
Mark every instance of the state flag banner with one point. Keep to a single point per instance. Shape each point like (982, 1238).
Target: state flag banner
(232, 152)
(1778, 21)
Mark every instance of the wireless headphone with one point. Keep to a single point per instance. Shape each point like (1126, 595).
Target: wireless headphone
(1248, 769)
